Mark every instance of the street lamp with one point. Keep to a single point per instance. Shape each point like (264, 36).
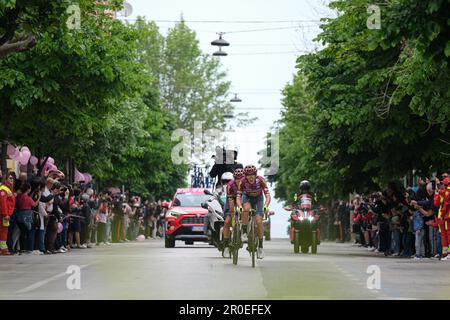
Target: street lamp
(220, 43)
(220, 53)
(236, 99)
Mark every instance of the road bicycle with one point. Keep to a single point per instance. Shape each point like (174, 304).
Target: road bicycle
(236, 237)
(253, 239)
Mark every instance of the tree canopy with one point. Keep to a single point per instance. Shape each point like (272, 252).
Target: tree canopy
(373, 104)
(106, 96)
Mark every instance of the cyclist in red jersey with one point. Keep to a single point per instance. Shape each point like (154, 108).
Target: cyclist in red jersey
(252, 189)
(232, 188)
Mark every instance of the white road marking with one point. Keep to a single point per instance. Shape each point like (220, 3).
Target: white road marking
(46, 281)
(396, 298)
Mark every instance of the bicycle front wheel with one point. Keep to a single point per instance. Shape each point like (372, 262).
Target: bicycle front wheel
(236, 244)
(254, 241)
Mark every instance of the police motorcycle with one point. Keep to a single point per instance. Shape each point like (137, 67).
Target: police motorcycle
(304, 225)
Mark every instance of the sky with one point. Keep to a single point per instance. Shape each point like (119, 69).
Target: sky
(259, 63)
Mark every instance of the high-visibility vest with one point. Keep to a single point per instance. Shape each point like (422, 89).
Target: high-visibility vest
(9, 194)
(7, 190)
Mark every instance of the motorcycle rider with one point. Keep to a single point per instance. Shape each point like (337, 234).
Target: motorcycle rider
(230, 207)
(251, 192)
(305, 197)
(225, 161)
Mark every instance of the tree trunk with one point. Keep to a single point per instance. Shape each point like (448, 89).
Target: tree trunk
(3, 157)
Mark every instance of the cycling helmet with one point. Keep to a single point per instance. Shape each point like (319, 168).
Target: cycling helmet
(304, 186)
(238, 173)
(227, 176)
(249, 170)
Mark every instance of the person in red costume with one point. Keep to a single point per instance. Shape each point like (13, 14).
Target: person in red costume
(442, 201)
(7, 204)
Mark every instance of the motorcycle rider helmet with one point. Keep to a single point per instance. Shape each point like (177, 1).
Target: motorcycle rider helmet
(226, 177)
(304, 186)
(250, 170)
(238, 173)
(233, 148)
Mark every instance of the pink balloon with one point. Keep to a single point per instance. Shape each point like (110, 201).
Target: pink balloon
(23, 159)
(26, 154)
(60, 227)
(79, 176)
(25, 148)
(88, 177)
(16, 155)
(140, 238)
(51, 160)
(34, 160)
(11, 150)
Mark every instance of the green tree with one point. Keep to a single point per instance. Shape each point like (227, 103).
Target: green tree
(379, 99)
(192, 86)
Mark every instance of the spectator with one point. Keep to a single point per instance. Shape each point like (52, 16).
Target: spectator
(40, 226)
(127, 213)
(74, 218)
(396, 231)
(85, 213)
(7, 204)
(54, 218)
(102, 220)
(25, 205)
(407, 232)
(418, 228)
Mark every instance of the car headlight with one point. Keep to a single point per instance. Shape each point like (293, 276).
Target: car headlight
(174, 213)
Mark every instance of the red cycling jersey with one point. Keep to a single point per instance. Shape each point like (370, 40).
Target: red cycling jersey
(232, 189)
(255, 189)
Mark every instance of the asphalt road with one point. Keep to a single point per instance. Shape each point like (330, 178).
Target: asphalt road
(147, 270)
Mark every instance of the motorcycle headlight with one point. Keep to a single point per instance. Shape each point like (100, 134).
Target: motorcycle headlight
(310, 218)
(301, 218)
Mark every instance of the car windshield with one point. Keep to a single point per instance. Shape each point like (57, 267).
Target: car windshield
(190, 200)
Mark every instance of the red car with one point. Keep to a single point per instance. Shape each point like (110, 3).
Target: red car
(185, 217)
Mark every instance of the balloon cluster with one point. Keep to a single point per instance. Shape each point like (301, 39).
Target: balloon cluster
(82, 177)
(23, 156)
